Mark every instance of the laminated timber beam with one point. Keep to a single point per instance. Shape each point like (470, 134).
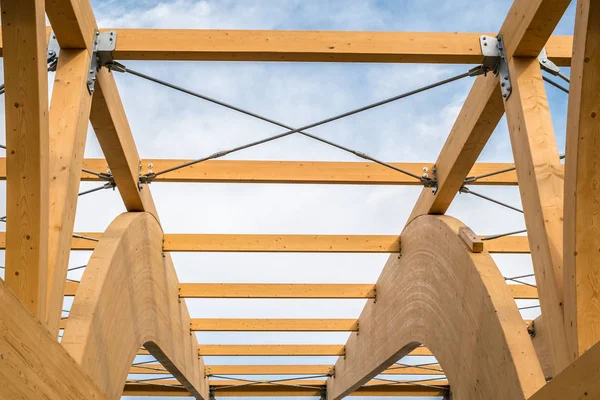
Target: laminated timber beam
(115, 314)
(33, 365)
(407, 390)
(69, 118)
(438, 282)
(213, 370)
(525, 30)
(582, 212)
(541, 184)
(291, 243)
(300, 172)
(290, 291)
(27, 148)
(294, 46)
(580, 380)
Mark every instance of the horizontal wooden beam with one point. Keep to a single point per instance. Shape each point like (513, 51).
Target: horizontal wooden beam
(211, 370)
(166, 388)
(290, 291)
(297, 172)
(312, 46)
(191, 242)
(273, 325)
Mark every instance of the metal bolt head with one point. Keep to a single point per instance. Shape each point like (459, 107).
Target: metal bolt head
(150, 171)
(425, 169)
(108, 171)
(425, 175)
(150, 165)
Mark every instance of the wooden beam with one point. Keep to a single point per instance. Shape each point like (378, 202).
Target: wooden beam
(276, 291)
(541, 187)
(311, 46)
(33, 365)
(72, 22)
(212, 370)
(290, 291)
(580, 380)
(526, 29)
(271, 350)
(440, 293)
(69, 116)
(283, 243)
(291, 243)
(299, 172)
(219, 383)
(582, 211)
(273, 325)
(303, 46)
(26, 114)
(403, 390)
(114, 135)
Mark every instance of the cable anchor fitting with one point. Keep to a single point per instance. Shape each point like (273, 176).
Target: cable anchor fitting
(547, 65)
(494, 59)
(103, 46)
(53, 50)
(431, 182)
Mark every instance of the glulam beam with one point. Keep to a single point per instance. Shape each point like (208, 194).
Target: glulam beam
(541, 183)
(290, 243)
(582, 210)
(27, 148)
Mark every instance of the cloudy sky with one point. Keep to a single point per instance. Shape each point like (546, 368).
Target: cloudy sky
(168, 124)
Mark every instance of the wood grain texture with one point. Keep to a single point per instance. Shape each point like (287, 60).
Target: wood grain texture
(128, 297)
(580, 380)
(69, 119)
(291, 243)
(298, 172)
(26, 115)
(311, 46)
(116, 140)
(453, 301)
(406, 390)
(218, 45)
(541, 187)
(525, 30)
(290, 291)
(73, 23)
(273, 325)
(582, 209)
(311, 369)
(33, 365)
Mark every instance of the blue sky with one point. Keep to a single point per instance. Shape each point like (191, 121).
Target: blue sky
(170, 125)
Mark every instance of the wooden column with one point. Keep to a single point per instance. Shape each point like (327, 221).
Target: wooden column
(582, 193)
(541, 185)
(26, 80)
(69, 116)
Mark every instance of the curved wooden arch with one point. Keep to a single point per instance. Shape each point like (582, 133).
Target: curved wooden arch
(128, 297)
(440, 294)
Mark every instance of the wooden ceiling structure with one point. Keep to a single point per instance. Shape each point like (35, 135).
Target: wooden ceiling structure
(439, 294)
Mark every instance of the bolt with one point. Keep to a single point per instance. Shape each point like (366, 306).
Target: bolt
(108, 171)
(150, 171)
(425, 169)
(503, 84)
(150, 165)
(506, 78)
(485, 44)
(425, 175)
(544, 61)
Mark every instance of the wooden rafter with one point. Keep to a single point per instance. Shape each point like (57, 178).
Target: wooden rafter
(26, 114)
(69, 116)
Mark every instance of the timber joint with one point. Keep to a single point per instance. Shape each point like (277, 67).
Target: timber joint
(103, 46)
(494, 59)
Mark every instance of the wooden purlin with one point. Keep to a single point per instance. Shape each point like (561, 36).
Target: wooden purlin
(290, 243)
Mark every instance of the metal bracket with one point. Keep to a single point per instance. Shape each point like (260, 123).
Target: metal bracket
(53, 51)
(103, 46)
(548, 65)
(211, 394)
(494, 58)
